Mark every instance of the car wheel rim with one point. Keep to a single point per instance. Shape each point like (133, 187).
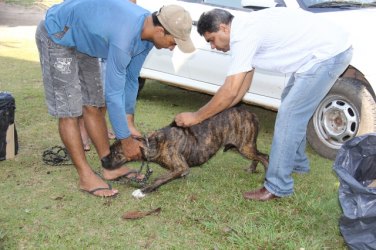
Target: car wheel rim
(336, 121)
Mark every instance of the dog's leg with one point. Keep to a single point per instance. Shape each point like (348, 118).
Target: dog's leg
(264, 158)
(253, 154)
(180, 169)
(252, 168)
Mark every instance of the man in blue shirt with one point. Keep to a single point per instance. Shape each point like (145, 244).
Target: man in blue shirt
(70, 40)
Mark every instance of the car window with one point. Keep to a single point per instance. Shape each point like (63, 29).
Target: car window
(262, 4)
(191, 1)
(225, 3)
(231, 4)
(339, 4)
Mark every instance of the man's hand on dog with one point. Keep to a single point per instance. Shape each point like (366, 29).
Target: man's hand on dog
(186, 119)
(131, 148)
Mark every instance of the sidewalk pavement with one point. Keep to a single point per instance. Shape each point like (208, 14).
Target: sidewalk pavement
(15, 15)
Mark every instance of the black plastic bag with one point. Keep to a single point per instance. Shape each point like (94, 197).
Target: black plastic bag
(355, 166)
(7, 108)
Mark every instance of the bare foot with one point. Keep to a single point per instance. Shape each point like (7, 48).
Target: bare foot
(134, 132)
(132, 127)
(111, 135)
(119, 172)
(87, 145)
(91, 182)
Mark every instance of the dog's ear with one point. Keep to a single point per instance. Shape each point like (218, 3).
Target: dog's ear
(160, 137)
(138, 138)
(156, 136)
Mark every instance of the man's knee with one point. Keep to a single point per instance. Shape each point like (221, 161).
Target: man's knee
(92, 110)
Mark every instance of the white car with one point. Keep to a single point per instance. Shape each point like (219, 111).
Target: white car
(347, 111)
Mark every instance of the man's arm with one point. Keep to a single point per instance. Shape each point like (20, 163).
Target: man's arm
(115, 85)
(132, 85)
(228, 95)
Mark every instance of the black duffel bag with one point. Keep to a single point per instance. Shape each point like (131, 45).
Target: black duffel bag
(355, 166)
(7, 113)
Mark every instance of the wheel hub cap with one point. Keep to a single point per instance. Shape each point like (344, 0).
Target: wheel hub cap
(338, 122)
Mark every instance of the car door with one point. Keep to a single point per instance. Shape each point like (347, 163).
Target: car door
(205, 69)
(210, 66)
(163, 64)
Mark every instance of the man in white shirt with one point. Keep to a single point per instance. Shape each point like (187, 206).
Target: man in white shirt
(316, 52)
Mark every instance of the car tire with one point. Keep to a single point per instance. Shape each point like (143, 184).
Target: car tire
(141, 84)
(348, 110)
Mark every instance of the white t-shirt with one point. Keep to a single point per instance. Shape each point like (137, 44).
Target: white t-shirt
(283, 40)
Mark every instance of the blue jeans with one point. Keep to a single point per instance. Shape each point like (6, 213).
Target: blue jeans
(300, 98)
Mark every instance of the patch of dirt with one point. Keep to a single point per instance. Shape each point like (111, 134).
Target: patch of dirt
(15, 15)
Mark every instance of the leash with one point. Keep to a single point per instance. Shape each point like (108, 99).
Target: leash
(149, 171)
(56, 156)
(126, 180)
(142, 182)
(147, 174)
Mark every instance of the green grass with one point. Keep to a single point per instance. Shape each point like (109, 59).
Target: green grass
(42, 208)
(21, 2)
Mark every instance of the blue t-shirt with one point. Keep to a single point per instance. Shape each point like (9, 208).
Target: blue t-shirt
(109, 29)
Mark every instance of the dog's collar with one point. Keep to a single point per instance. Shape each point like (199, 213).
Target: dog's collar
(148, 171)
(148, 147)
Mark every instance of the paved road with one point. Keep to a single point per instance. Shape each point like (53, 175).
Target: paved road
(14, 15)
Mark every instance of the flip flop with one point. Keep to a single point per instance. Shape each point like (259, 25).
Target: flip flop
(126, 176)
(92, 192)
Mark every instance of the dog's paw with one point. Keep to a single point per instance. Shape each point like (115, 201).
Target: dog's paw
(138, 194)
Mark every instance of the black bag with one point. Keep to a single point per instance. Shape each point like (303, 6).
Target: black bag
(355, 166)
(7, 108)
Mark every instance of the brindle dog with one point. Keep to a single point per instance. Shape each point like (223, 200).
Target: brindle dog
(177, 148)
